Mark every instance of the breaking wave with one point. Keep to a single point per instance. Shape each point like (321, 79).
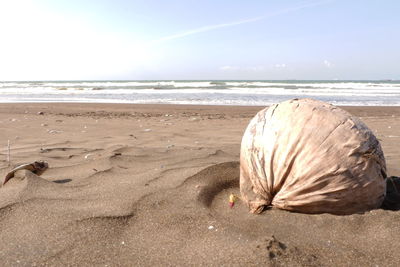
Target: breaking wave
(202, 92)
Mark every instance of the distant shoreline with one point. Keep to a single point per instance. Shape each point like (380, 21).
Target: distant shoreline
(216, 80)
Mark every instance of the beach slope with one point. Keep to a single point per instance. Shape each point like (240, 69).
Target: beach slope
(131, 185)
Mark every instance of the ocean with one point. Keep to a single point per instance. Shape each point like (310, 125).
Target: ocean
(251, 93)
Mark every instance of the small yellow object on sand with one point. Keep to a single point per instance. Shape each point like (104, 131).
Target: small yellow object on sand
(232, 199)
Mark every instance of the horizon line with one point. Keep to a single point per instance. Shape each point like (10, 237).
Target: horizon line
(127, 80)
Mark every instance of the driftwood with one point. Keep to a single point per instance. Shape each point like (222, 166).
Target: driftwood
(37, 167)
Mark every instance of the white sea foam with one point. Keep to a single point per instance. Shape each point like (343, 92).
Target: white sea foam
(202, 92)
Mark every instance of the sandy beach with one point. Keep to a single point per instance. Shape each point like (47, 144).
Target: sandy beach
(141, 185)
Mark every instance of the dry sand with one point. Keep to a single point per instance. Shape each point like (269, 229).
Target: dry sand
(132, 185)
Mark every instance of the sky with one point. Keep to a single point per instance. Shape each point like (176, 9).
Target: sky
(199, 39)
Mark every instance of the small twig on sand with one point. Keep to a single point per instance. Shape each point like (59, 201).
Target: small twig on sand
(8, 152)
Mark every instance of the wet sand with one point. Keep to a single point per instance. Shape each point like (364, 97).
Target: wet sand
(139, 185)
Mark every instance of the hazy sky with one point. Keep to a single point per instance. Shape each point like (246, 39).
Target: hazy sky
(199, 39)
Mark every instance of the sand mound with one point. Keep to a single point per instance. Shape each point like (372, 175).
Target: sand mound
(195, 220)
(189, 223)
(23, 186)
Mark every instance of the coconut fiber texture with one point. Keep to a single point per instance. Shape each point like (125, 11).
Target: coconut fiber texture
(312, 157)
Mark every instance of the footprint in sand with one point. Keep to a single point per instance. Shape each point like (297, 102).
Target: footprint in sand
(274, 247)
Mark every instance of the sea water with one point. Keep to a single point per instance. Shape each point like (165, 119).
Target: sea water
(252, 93)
